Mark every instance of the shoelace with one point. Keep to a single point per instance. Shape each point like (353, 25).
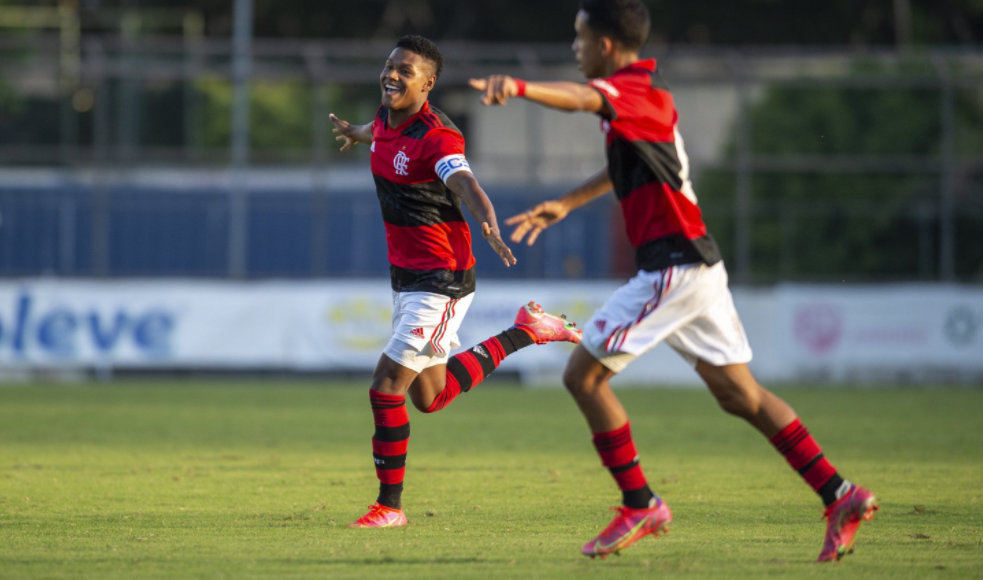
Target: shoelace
(376, 510)
(616, 522)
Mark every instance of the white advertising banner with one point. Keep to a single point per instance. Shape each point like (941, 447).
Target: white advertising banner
(857, 333)
(797, 332)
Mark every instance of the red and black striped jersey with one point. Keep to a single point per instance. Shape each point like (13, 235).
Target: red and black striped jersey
(428, 240)
(650, 170)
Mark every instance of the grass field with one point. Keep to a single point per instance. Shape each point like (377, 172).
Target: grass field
(184, 479)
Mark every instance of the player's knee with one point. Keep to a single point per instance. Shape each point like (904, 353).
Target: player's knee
(739, 400)
(426, 403)
(578, 384)
(426, 406)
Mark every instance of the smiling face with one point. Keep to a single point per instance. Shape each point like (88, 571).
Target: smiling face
(406, 80)
(589, 48)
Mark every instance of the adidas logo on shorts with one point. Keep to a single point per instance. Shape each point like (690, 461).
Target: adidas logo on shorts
(418, 332)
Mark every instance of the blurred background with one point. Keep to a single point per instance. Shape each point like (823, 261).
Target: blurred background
(183, 149)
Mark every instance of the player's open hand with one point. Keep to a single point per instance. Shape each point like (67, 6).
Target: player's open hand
(497, 88)
(495, 239)
(346, 132)
(537, 219)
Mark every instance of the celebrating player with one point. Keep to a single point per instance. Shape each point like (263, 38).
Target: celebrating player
(680, 292)
(421, 176)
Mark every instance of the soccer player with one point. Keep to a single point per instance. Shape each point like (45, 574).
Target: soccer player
(680, 292)
(421, 177)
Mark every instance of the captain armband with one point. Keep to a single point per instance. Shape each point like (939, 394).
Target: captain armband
(450, 165)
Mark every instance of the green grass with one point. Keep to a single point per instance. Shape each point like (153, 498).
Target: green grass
(183, 479)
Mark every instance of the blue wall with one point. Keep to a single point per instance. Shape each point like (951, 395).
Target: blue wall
(129, 231)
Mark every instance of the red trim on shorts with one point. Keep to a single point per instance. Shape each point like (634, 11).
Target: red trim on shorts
(607, 343)
(650, 306)
(438, 333)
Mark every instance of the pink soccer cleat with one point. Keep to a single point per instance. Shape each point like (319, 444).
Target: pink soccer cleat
(380, 516)
(843, 519)
(544, 327)
(629, 526)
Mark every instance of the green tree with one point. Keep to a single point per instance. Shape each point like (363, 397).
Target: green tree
(852, 224)
(282, 115)
(713, 22)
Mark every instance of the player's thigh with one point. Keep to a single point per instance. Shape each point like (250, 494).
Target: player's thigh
(392, 377)
(425, 327)
(428, 384)
(639, 315)
(714, 334)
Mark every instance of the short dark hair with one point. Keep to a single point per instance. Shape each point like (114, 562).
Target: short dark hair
(425, 48)
(624, 21)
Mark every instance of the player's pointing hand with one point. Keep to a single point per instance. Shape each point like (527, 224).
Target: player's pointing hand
(346, 132)
(537, 219)
(497, 88)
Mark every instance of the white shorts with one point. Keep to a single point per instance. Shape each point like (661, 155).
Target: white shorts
(425, 328)
(690, 307)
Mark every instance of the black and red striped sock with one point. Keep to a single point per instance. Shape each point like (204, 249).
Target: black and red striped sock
(392, 435)
(618, 454)
(805, 456)
(466, 369)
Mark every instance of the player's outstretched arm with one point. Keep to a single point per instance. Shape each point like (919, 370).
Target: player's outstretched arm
(565, 96)
(544, 215)
(350, 134)
(464, 185)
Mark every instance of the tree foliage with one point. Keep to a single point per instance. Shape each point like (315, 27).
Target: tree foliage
(708, 22)
(716, 22)
(852, 221)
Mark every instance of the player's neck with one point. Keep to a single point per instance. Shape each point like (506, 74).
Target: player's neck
(620, 60)
(399, 116)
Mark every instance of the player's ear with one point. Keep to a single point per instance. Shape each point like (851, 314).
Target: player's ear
(431, 81)
(607, 46)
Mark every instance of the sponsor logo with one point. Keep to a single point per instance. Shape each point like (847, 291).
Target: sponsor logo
(478, 349)
(600, 324)
(418, 332)
(68, 331)
(360, 323)
(400, 162)
(606, 126)
(372, 147)
(961, 326)
(379, 461)
(818, 326)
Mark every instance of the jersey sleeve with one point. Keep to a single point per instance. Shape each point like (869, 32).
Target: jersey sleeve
(610, 93)
(446, 153)
(380, 118)
(633, 101)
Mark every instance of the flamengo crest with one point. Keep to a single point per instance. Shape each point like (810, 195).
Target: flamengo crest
(400, 162)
